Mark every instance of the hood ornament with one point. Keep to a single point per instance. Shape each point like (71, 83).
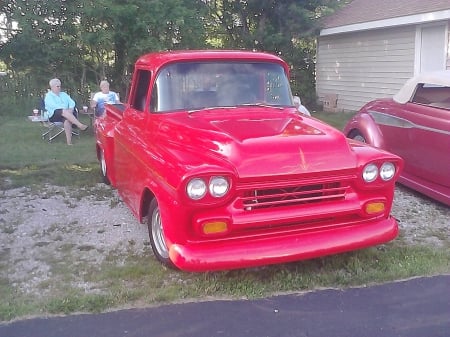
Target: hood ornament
(303, 163)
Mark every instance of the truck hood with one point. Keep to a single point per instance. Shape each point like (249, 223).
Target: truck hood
(264, 144)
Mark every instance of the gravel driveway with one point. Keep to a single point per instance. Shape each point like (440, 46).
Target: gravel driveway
(42, 229)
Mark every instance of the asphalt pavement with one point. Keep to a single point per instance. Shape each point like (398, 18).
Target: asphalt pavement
(414, 308)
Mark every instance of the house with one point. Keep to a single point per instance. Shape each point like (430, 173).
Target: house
(369, 48)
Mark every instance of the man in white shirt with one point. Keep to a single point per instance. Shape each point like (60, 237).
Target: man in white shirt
(301, 108)
(103, 96)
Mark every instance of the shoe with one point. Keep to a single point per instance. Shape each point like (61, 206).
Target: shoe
(85, 128)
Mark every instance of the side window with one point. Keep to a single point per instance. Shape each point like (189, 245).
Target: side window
(142, 84)
(431, 94)
(420, 96)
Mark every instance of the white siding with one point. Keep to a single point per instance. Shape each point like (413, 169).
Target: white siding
(362, 66)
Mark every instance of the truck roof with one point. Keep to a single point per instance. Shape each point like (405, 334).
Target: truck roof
(157, 59)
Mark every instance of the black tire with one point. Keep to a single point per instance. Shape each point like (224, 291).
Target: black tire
(104, 168)
(356, 135)
(156, 233)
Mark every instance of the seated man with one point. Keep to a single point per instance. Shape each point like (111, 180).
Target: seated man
(59, 107)
(300, 107)
(103, 96)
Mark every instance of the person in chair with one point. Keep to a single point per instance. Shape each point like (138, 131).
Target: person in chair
(300, 107)
(103, 96)
(59, 107)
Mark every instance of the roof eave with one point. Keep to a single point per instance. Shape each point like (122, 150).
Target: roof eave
(392, 22)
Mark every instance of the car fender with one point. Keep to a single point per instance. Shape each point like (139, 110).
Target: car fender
(105, 143)
(365, 124)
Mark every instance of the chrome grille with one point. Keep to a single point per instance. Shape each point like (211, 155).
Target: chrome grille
(259, 198)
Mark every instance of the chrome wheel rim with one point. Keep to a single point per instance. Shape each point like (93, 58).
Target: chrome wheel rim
(158, 235)
(103, 164)
(359, 138)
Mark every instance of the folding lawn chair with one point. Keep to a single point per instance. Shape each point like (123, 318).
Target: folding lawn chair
(54, 129)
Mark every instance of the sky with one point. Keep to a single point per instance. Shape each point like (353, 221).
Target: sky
(3, 27)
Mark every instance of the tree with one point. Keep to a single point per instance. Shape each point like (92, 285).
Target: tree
(84, 41)
(287, 28)
(45, 40)
(117, 32)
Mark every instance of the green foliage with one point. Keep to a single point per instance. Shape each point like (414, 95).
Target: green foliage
(115, 33)
(46, 40)
(85, 41)
(286, 28)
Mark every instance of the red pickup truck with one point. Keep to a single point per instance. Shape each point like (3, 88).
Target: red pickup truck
(211, 151)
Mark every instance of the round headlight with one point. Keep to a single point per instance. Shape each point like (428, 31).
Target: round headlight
(370, 173)
(196, 189)
(218, 186)
(387, 171)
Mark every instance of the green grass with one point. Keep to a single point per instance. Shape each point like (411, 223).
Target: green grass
(139, 280)
(142, 281)
(26, 159)
(338, 120)
(21, 145)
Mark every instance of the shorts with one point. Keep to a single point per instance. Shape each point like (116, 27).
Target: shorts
(57, 116)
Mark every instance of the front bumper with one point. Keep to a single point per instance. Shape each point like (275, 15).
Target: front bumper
(253, 252)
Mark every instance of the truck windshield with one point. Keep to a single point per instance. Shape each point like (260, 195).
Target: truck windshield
(198, 85)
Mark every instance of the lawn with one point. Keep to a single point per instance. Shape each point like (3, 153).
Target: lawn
(28, 159)
(21, 144)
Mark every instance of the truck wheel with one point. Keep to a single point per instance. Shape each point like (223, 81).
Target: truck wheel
(103, 167)
(156, 233)
(356, 135)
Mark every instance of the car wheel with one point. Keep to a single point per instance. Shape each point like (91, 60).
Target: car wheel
(356, 135)
(104, 168)
(156, 233)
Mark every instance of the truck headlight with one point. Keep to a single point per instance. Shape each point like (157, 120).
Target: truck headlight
(196, 189)
(218, 186)
(387, 171)
(370, 173)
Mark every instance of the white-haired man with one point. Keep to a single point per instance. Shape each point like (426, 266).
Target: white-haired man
(300, 107)
(103, 96)
(60, 107)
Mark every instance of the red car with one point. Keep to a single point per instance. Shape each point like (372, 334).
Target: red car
(415, 125)
(211, 151)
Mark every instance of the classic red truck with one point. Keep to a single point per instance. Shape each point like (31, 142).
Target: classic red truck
(211, 151)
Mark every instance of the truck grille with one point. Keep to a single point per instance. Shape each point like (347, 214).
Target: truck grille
(260, 198)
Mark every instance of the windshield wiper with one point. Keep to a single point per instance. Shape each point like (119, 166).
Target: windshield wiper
(210, 108)
(263, 105)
